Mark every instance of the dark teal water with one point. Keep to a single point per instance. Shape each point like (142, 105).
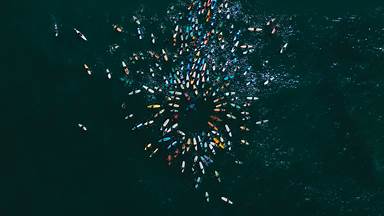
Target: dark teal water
(321, 154)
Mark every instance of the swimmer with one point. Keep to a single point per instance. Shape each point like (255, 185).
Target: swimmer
(117, 28)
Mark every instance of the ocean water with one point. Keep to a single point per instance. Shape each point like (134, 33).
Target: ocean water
(320, 154)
